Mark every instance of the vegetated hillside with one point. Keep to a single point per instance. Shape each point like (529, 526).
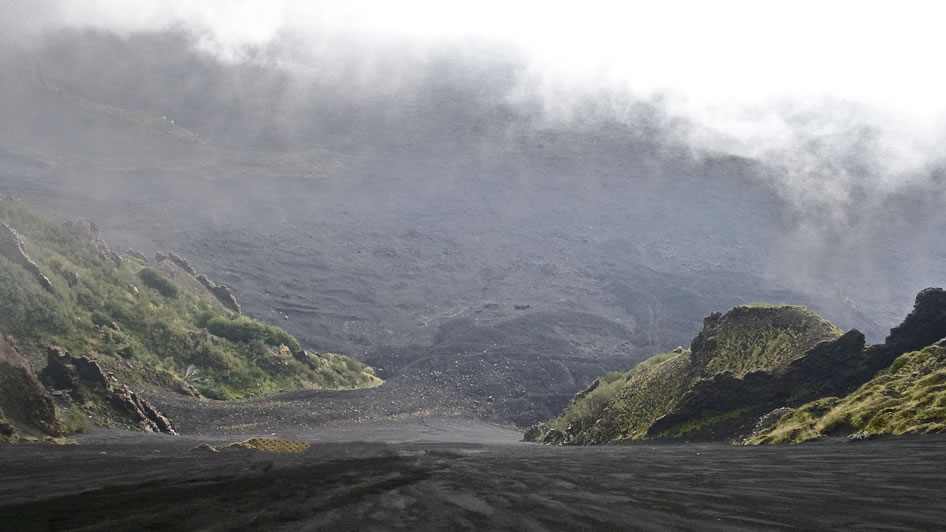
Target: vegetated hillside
(745, 339)
(60, 285)
(909, 397)
(742, 377)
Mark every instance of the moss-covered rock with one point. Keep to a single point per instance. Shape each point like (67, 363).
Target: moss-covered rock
(756, 360)
(746, 339)
(757, 337)
(907, 398)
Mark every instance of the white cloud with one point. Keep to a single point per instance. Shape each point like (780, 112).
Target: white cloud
(730, 66)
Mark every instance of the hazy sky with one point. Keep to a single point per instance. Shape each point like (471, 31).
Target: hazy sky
(884, 53)
(758, 79)
(725, 64)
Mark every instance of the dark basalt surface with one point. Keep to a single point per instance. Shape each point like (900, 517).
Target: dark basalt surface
(433, 479)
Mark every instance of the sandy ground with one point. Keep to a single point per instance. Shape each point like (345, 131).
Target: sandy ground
(448, 473)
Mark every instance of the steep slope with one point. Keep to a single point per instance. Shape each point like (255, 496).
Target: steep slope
(727, 384)
(128, 322)
(909, 397)
(745, 339)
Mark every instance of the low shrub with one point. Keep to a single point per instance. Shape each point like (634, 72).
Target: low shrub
(245, 331)
(162, 284)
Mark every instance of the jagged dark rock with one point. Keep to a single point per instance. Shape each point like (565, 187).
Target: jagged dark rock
(159, 257)
(142, 412)
(182, 262)
(137, 254)
(221, 292)
(303, 356)
(925, 325)
(705, 342)
(11, 247)
(67, 371)
(87, 230)
(24, 400)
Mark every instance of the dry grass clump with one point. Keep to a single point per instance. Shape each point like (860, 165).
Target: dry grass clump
(269, 445)
(907, 398)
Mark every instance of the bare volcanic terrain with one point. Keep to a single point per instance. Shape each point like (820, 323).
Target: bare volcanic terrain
(451, 474)
(506, 299)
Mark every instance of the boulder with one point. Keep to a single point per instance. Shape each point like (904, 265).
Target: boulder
(71, 277)
(303, 356)
(221, 292)
(66, 371)
(11, 247)
(24, 401)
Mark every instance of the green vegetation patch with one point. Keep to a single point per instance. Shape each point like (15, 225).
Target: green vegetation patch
(907, 398)
(155, 280)
(138, 323)
(599, 415)
(239, 329)
(766, 337)
(747, 338)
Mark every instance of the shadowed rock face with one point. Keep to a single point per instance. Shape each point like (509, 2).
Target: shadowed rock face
(23, 399)
(768, 363)
(833, 368)
(69, 372)
(11, 247)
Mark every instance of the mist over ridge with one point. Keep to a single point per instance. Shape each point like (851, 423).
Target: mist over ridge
(813, 193)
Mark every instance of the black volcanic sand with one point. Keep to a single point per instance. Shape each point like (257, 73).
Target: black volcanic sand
(445, 473)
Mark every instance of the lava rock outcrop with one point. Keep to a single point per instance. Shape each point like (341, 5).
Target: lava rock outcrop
(69, 372)
(24, 402)
(11, 247)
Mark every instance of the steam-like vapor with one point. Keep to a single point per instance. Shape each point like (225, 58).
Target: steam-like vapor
(840, 103)
(753, 79)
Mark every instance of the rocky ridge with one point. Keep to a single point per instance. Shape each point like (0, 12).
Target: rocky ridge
(87, 231)
(728, 404)
(221, 293)
(80, 374)
(11, 247)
